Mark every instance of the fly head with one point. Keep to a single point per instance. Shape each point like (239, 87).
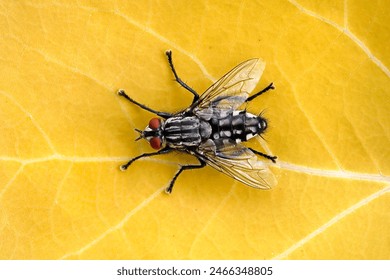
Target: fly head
(153, 133)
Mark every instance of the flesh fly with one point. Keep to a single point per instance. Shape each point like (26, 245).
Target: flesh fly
(213, 128)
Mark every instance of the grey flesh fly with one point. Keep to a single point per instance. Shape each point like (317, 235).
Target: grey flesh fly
(213, 128)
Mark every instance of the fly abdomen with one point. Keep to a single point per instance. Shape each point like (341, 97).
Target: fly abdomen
(239, 126)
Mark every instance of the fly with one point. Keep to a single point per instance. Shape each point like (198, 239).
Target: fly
(213, 128)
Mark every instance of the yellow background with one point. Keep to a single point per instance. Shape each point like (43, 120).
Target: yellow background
(64, 131)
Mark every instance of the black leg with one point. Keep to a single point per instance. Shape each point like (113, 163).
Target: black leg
(270, 86)
(272, 158)
(164, 115)
(162, 151)
(182, 168)
(183, 84)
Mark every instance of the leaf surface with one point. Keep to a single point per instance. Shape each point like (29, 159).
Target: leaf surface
(65, 132)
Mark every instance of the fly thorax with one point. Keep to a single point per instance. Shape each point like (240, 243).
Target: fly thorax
(181, 132)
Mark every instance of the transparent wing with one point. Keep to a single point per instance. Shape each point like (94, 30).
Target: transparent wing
(238, 162)
(229, 92)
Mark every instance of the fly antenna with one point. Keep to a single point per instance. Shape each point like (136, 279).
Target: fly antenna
(140, 134)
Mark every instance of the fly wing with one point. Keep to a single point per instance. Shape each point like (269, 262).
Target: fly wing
(229, 92)
(238, 162)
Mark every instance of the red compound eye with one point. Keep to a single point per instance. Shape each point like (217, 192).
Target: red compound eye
(155, 143)
(154, 123)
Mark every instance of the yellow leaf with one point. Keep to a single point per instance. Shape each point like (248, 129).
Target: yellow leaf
(65, 132)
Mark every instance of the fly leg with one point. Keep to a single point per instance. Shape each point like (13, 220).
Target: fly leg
(272, 158)
(164, 115)
(183, 84)
(182, 168)
(162, 151)
(270, 86)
